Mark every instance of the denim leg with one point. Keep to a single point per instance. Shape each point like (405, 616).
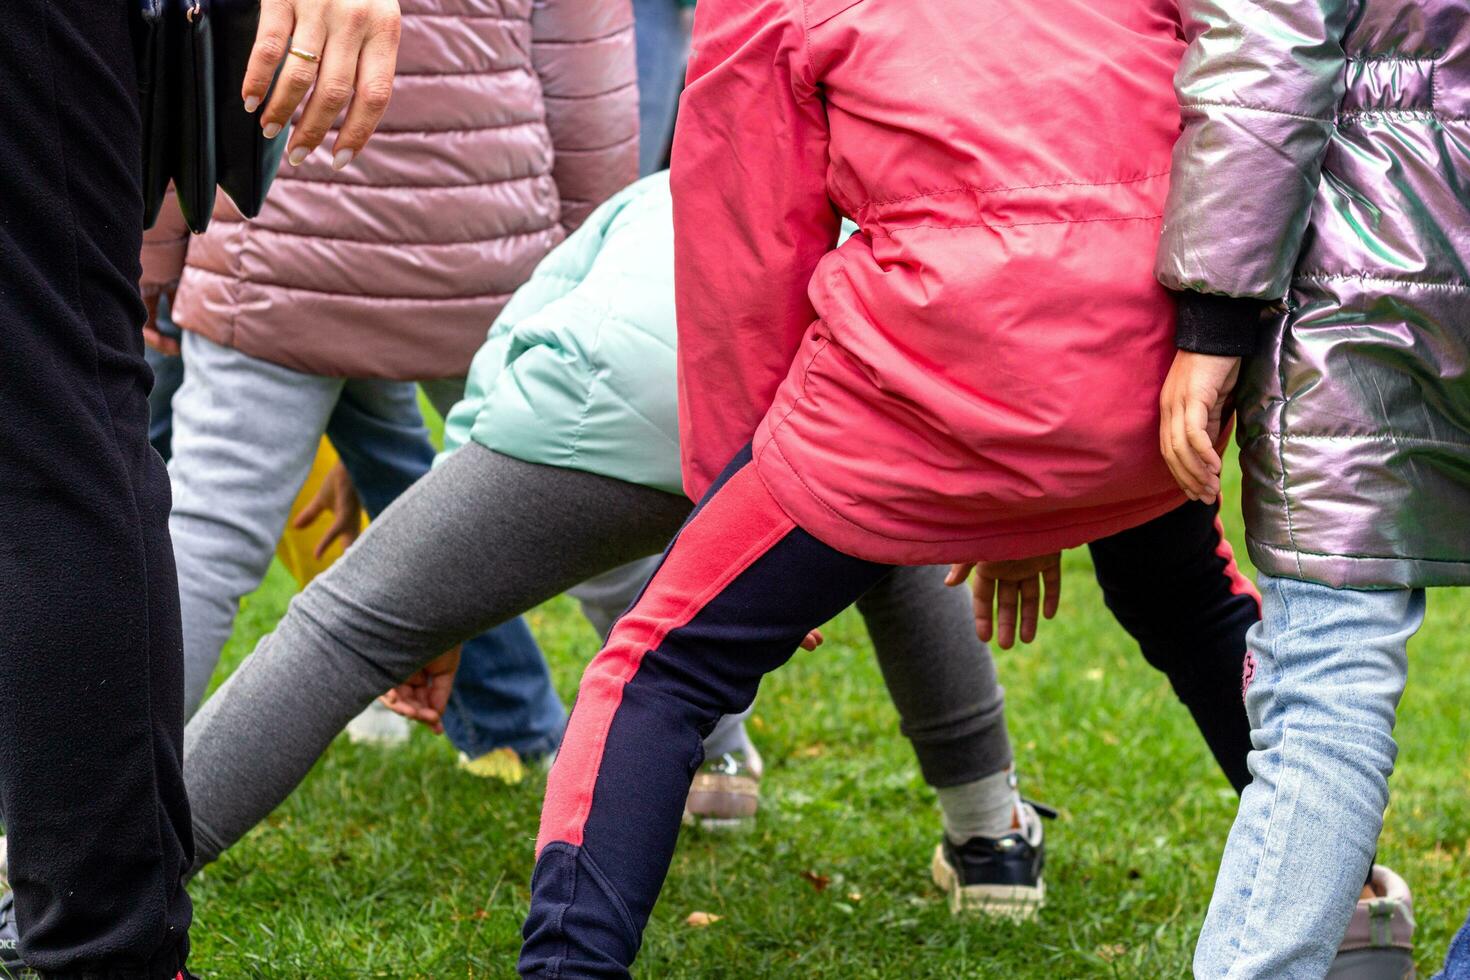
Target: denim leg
(662, 43)
(503, 695)
(1329, 668)
(379, 433)
(1457, 961)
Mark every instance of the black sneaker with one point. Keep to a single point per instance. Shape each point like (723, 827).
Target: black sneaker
(11, 965)
(996, 875)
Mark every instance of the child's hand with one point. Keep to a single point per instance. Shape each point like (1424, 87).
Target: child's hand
(338, 497)
(424, 696)
(1001, 585)
(1191, 413)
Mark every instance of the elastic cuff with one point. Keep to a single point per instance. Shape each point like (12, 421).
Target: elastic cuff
(167, 964)
(1228, 326)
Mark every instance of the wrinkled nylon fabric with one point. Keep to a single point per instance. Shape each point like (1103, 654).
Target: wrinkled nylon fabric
(511, 121)
(992, 337)
(1355, 415)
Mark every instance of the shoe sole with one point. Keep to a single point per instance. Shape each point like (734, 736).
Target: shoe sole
(1373, 964)
(722, 802)
(1018, 902)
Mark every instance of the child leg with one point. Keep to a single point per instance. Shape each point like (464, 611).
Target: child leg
(478, 540)
(727, 793)
(245, 432)
(1174, 586)
(739, 588)
(1330, 666)
(952, 708)
(950, 704)
(606, 597)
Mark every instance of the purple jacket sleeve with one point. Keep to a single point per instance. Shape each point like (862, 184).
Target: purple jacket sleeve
(1259, 88)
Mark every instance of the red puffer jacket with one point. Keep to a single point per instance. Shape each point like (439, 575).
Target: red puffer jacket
(975, 373)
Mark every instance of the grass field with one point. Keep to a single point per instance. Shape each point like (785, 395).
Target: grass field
(395, 864)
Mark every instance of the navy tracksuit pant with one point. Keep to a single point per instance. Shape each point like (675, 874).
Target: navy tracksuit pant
(738, 589)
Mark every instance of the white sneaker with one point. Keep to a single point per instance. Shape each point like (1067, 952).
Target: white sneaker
(378, 725)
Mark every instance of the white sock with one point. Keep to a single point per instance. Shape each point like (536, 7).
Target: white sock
(729, 736)
(987, 807)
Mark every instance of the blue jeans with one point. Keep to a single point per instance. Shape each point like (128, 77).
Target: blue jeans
(1457, 961)
(662, 43)
(503, 696)
(1328, 668)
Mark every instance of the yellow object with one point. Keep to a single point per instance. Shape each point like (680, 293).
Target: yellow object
(297, 549)
(502, 764)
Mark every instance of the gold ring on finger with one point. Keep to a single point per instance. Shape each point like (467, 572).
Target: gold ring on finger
(304, 54)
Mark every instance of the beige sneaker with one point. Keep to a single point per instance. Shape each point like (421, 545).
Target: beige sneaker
(726, 792)
(1379, 944)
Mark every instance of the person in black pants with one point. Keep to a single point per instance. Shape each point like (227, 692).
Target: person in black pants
(91, 671)
(1174, 586)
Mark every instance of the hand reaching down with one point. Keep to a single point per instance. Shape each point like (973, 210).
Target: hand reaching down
(1192, 412)
(340, 53)
(424, 696)
(1004, 587)
(338, 497)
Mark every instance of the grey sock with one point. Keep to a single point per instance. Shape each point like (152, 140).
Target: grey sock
(986, 807)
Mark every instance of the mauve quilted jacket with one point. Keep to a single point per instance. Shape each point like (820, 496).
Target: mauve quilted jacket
(1326, 158)
(975, 373)
(511, 121)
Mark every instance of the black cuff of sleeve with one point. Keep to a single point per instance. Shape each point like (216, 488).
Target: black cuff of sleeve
(1225, 325)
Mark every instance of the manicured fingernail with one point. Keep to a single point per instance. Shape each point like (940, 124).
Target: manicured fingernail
(297, 155)
(272, 130)
(252, 103)
(342, 159)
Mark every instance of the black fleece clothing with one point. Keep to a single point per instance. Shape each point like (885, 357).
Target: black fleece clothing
(91, 666)
(1223, 325)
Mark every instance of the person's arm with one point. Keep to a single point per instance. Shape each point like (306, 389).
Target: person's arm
(1259, 89)
(751, 222)
(583, 52)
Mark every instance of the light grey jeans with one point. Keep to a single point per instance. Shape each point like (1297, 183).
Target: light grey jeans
(246, 432)
(1327, 669)
(484, 538)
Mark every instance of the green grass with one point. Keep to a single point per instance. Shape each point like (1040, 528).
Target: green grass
(395, 864)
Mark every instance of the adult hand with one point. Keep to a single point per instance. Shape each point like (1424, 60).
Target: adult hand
(338, 497)
(159, 341)
(813, 640)
(424, 696)
(1191, 413)
(1002, 586)
(350, 50)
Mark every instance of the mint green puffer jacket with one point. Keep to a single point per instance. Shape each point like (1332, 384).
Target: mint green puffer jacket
(578, 370)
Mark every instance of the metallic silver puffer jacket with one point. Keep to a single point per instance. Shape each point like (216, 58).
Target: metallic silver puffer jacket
(1326, 158)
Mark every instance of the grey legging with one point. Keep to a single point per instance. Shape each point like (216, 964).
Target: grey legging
(481, 539)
